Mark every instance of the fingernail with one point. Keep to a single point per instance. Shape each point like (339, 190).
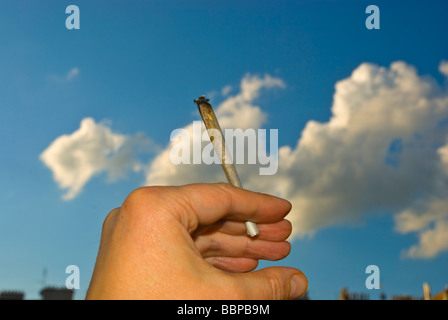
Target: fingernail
(298, 286)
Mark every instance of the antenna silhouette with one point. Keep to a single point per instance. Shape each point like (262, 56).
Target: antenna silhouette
(44, 277)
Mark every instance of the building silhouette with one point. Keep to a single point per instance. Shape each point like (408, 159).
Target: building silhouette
(53, 293)
(346, 295)
(62, 293)
(442, 295)
(12, 295)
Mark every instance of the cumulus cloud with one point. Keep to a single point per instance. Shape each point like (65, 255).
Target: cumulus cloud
(443, 68)
(379, 151)
(75, 158)
(71, 75)
(430, 219)
(384, 150)
(226, 90)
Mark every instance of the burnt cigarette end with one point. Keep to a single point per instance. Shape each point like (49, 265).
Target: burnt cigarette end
(201, 99)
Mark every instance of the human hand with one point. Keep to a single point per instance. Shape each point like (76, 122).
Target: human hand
(190, 242)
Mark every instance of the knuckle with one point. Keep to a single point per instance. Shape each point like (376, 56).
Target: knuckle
(226, 192)
(225, 187)
(140, 202)
(141, 194)
(110, 219)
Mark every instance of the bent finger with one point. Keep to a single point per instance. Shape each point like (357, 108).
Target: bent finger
(210, 203)
(277, 231)
(223, 245)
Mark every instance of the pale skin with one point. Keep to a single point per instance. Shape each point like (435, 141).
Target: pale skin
(190, 242)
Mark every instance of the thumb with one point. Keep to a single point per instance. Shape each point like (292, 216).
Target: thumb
(274, 283)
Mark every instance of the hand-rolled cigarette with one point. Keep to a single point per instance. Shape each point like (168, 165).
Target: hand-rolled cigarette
(217, 138)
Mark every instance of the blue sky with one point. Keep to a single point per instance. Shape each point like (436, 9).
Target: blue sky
(136, 67)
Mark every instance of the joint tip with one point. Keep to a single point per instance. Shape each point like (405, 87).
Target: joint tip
(201, 99)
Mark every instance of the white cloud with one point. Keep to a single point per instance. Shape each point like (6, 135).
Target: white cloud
(381, 152)
(71, 75)
(432, 241)
(226, 90)
(375, 153)
(443, 68)
(74, 159)
(443, 153)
